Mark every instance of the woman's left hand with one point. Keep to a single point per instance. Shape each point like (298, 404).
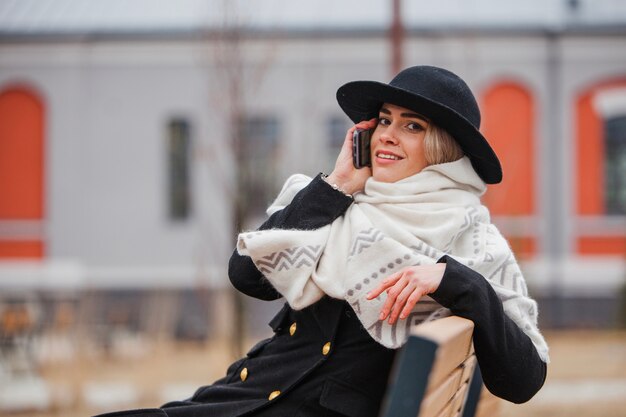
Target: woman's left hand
(406, 287)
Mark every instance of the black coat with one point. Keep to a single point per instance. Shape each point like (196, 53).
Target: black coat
(322, 362)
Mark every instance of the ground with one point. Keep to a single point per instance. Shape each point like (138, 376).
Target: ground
(586, 377)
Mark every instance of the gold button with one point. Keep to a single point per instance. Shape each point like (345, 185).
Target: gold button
(326, 348)
(243, 374)
(292, 329)
(273, 395)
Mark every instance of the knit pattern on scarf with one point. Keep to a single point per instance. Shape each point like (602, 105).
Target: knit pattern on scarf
(414, 221)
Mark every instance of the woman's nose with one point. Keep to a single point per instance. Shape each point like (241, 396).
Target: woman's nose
(388, 137)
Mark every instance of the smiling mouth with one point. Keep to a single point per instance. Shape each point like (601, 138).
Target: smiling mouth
(384, 155)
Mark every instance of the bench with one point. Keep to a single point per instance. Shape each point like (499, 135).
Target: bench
(434, 374)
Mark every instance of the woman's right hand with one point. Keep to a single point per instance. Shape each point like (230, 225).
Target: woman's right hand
(406, 287)
(349, 179)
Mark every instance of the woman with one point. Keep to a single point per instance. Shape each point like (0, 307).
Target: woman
(362, 254)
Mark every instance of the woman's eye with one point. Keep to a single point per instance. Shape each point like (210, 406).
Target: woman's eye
(415, 126)
(383, 121)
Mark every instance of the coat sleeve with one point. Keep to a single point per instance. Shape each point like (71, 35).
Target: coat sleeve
(509, 363)
(315, 206)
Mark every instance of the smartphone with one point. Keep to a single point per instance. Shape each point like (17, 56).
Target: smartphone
(361, 148)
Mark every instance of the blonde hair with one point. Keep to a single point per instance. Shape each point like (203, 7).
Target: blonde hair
(440, 146)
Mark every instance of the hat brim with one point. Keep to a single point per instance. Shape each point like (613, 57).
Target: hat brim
(362, 100)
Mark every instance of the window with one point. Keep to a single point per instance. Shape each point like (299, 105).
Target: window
(259, 157)
(22, 155)
(179, 192)
(508, 109)
(600, 166)
(508, 123)
(615, 167)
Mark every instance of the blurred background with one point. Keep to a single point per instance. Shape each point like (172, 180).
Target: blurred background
(138, 136)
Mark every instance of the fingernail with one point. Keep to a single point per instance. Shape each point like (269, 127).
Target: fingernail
(382, 316)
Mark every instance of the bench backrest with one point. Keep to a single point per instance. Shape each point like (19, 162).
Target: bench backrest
(433, 371)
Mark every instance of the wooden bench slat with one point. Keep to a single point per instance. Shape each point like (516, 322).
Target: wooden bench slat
(456, 402)
(454, 339)
(436, 399)
(446, 411)
(436, 360)
(488, 405)
(445, 331)
(468, 368)
(459, 398)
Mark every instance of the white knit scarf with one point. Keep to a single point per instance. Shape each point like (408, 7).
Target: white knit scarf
(414, 221)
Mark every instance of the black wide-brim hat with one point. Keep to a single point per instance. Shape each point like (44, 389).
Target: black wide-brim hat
(439, 95)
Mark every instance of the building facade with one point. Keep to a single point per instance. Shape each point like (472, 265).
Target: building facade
(119, 148)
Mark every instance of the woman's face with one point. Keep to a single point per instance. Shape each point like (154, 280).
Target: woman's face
(398, 144)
